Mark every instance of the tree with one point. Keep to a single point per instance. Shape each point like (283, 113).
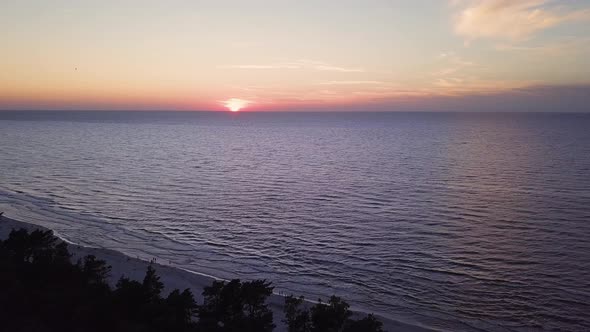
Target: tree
(62, 255)
(330, 317)
(236, 306)
(297, 319)
(38, 246)
(129, 297)
(41, 290)
(152, 285)
(182, 306)
(333, 316)
(95, 271)
(258, 316)
(367, 324)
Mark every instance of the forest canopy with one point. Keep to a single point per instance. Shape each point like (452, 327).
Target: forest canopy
(42, 291)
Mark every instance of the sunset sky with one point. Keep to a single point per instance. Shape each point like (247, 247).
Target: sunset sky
(495, 55)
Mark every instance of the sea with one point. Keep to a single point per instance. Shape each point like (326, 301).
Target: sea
(453, 221)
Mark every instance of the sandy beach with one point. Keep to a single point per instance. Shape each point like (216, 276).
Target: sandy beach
(173, 277)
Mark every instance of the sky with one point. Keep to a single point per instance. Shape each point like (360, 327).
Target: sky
(369, 55)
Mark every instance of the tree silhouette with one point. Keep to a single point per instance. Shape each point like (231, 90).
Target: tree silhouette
(367, 324)
(333, 316)
(42, 291)
(297, 318)
(236, 306)
(95, 271)
(151, 284)
(330, 317)
(39, 246)
(182, 306)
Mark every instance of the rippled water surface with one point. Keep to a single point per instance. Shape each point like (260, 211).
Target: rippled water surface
(455, 221)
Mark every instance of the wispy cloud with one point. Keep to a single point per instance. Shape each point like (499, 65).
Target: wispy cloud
(270, 66)
(452, 63)
(299, 64)
(340, 69)
(571, 45)
(459, 76)
(455, 86)
(511, 19)
(526, 98)
(351, 82)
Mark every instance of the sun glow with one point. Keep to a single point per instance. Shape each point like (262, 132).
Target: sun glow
(235, 104)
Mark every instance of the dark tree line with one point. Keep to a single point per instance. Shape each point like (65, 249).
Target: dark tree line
(41, 290)
(334, 316)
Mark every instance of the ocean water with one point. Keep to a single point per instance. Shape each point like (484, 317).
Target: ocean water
(457, 221)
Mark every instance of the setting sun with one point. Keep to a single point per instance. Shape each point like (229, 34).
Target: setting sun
(235, 104)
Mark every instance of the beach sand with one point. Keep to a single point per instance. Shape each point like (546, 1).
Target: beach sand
(173, 277)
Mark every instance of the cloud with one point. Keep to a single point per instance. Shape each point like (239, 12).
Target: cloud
(456, 75)
(299, 64)
(340, 69)
(531, 98)
(453, 63)
(271, 66)
(511, 19)
(570, 45)
(469, 85)
(350, 82)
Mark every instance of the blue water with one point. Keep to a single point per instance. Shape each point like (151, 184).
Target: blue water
(457, 221)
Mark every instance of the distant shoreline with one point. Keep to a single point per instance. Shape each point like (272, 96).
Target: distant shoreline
(172, 277)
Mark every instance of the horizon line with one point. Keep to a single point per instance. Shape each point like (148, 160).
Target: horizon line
(288, 111)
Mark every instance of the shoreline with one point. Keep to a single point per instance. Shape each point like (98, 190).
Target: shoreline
(174, 277)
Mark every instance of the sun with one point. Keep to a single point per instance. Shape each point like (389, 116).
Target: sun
(235, 104)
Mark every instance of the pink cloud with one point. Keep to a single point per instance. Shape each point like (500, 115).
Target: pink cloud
(511, 19)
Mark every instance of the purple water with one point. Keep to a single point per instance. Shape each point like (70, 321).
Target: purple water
(457, 221)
